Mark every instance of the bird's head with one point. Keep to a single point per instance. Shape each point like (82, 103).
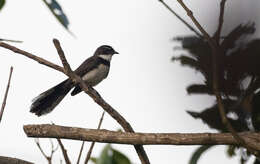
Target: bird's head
(106, 52)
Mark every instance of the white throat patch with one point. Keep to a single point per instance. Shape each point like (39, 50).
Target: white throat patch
(106, 57)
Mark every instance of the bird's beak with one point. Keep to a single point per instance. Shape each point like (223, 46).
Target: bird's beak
(116, 52)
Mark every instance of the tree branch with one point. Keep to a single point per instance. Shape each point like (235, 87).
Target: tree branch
(10, 40)
(99, 100)
(220, 21)
(93, 143)
(6, 93)
(64, 151)
(10, 160)
(53, 150)
(106, 136)
(31, 56)
(181, 19)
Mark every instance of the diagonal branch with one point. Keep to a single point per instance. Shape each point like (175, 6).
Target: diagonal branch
(53, 150)
(181, 19)
(64, 151)
(220, 21)
(99, 100)
(93, 143)
(6, 93)
(40, 148)
(215, 51)
(107, 136)
(31, 56)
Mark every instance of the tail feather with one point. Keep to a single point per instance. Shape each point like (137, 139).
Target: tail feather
(48, 100)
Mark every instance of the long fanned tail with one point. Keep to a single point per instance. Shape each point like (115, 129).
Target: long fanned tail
(48, 100)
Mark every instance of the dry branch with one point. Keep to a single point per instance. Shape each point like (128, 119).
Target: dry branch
(10, 40)
(64, 151)
(53, 150)
(10, 160)
(6, 93)
(106, 136)
(181, 19)
(93, 143)
(31, 56)
(220, 21)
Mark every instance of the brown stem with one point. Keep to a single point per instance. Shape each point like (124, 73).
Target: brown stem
(6, 93)
(31, 56)
(220, 21)
(64, 152)
(10, 160)
(181, 19)
(53, 150)
(80, 152)
(107, 136)
(93, 143)
(10, 40)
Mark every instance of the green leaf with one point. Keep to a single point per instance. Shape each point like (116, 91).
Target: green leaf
(198, 152)
(119, 158)
(93, 159)
(106, 156)
(57, 11)
(111, 156)
(2, 3)
(231, 151)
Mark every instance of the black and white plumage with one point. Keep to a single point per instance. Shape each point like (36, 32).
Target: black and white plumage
(92, 71)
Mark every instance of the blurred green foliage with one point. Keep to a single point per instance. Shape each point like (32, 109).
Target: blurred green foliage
(109, 155)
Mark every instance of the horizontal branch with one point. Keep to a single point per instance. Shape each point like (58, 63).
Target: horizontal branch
(10, 160)
(106, 136)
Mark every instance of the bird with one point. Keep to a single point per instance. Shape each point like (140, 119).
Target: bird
(92, 71)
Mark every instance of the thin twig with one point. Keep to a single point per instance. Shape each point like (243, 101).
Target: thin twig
(220, 21)
(215, 51)
(181, 19)
(64, 152)
(6, 93)
(99, 100)
(53, 150)
(80, 151)
(40, 148)
(31, 56)
(10, 40)
(107, 136)
(93, 143)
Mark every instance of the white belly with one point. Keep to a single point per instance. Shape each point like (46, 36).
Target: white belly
(97, 75)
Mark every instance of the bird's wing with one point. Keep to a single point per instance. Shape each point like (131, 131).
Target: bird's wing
(88, 65)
